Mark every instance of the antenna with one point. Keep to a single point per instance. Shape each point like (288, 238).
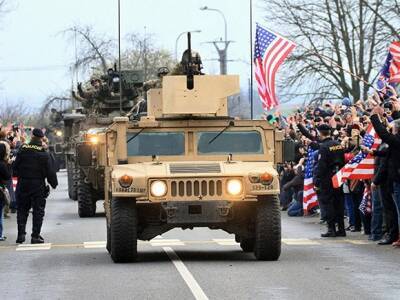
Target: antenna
(119, 57)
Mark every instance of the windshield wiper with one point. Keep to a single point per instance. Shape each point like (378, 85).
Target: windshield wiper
(137, 133)
(231, 123)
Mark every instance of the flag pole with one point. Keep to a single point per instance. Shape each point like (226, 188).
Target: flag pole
(251, 59)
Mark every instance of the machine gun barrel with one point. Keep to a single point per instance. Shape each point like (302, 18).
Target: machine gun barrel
(190, 71)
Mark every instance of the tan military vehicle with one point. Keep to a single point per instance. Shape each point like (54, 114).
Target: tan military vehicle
(187, 164)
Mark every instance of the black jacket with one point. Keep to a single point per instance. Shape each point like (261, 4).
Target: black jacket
(381, 165)
(393, 140)
(5, 172)
(330, 160)
(33, 162)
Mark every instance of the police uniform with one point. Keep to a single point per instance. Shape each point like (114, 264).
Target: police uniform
(331, 200)
(32, 166)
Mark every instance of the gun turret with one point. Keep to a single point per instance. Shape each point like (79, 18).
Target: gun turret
(191, 64)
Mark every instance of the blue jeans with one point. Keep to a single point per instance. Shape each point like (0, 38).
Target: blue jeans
(296, 207)
(396, 198)
(348, 201)
(377, 214)
(13, 204)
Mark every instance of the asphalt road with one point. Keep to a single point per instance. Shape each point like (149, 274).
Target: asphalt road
(201, 263)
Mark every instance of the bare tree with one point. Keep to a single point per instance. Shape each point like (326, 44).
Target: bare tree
(388, 15)
(143, 54)
(12, 112)
(335, 38)
(93, 50)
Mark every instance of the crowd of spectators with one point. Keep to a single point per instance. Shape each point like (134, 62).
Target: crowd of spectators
(348, 122)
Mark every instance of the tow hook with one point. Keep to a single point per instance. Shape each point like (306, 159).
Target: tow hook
(223, 210)
(171, 211)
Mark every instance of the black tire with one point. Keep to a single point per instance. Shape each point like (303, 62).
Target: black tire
(69, 178)
(237, 238)
(268, 229)
(123, 233)
(86, 201)
(108, 244)
(75, 180)
(247, 245)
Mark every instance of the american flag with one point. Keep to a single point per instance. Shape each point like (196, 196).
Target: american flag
(362, 165)
(270, 50)
(390, 72)
(394, 69)
(366, 203)
(310, 199)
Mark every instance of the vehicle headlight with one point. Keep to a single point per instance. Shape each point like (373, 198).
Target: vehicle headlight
(59, 133)
(125, 181)
(234, 187)
(94, 139)
(158, 188)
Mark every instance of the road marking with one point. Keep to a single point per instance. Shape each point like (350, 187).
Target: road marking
(166, 242)
(357, 242)
(226, 242)
(194, 287)
(92, 245)
(33, 247)
(161, 242)
(300, 242)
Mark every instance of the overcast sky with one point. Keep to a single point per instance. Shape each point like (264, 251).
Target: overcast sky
(31, 39)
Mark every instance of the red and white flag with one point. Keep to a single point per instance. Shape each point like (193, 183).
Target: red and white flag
(394, 69)
(362, 165)
(270, 50)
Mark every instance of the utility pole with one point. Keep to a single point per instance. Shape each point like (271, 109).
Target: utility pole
(222, 51)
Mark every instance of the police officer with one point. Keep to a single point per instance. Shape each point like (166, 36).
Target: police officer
(32, 166)
(331, 200)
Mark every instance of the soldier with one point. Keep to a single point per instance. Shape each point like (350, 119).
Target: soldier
(330, 160)
(187, 65)
(156, 83)
(32, 166)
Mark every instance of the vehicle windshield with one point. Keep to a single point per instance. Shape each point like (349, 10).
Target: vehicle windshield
(156, 143)
(235, 142)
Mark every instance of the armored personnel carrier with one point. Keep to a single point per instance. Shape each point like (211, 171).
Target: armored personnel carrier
(100, 101)
(188, 164)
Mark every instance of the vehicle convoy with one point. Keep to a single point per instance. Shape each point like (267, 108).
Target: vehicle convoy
(187, 164)
(100, 101)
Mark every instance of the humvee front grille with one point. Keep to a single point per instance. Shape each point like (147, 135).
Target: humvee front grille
(196, 188)
(194, 168)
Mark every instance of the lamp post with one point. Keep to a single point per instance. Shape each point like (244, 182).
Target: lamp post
(179, 36)
(222, 52)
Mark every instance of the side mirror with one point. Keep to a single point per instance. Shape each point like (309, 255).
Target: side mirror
(84, 155)
(289, 150)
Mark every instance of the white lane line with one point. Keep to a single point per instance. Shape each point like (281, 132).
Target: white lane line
(166, 242)
(194, 287)
(33, 247)
(93, 245)
(300, 242)
(225, 242)
(357, 242)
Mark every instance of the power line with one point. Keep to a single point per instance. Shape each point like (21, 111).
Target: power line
(34, 68)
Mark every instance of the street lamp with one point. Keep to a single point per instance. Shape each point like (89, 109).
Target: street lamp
(179, 36)
(223, 57)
